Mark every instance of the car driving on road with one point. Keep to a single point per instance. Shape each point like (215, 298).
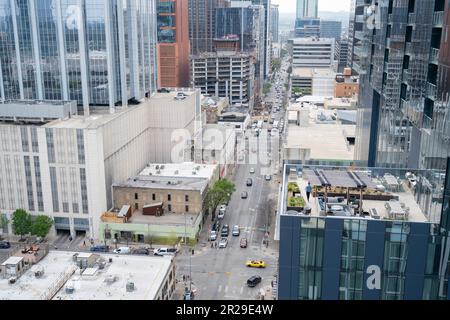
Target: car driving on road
(5, 245)
(249, 182)
(223, 243)
(213, 235)
(255, 264)
(252, 170)
(254, 281)
(236, 231)
(244, 195)
(225, 231)
(243, 243)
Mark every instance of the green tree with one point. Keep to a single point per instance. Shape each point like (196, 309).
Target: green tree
(276, 64)
(41, 226)
(220, 193)
(289, 70)
(267, 87)
(21, 222)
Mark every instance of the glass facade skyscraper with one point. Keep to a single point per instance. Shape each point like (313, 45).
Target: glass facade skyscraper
(402, 58)
(101, 53)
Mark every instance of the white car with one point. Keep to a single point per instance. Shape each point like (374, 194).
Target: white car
(213, 235)
(268, 177)
(252, 170)
(223, 243)
(222, 210)
(122, 250)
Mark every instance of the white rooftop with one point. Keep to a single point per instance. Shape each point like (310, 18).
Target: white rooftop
(185, 170)
(325, 141)
(12, 261)
(147, 273)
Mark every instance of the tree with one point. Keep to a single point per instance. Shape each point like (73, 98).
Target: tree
(41, 226)
(267, 87)
(276, 64)
(21, 222)
(289, 70)
(220, 193)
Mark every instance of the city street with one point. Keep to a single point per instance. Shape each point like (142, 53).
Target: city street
(221, 274)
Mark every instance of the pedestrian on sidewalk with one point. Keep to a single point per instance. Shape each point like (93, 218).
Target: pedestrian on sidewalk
(308, 190)
(84, 243)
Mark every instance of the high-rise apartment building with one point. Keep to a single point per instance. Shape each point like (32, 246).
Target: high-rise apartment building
(226, 73)
(331, 29)
(342, 54)
(357, 24)
(245, 21)
(173, 43)
(98, 53)
(307, 28)
(267, 38)
(404, 111)
(274, 22)
(312, 52)
(307, 8)
(202, 16)
(364, 234)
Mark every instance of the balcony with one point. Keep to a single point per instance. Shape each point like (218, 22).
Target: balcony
(438, 18)
(434, 55)
(358, 68)
(361, 52)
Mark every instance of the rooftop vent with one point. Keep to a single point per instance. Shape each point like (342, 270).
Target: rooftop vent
(130, 286)
(158, 172)
(157, 167)
(110, 279)
(177, 172)
(162, 167)
(194, 173)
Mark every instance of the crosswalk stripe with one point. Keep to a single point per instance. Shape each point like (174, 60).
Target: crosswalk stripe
(219, 289)
(226, 289)
(241, 291)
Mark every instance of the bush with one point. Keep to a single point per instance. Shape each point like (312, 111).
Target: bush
(293, 187)
(297, 202)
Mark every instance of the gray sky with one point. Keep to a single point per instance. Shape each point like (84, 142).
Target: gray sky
(324, 5)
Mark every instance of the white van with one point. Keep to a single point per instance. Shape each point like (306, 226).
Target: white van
(122, 250)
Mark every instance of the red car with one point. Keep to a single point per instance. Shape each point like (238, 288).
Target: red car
(243, 243)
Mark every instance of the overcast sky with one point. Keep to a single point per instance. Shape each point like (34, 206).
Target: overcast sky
(324, 5)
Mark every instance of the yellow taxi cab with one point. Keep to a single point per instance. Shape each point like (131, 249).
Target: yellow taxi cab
(255, 264)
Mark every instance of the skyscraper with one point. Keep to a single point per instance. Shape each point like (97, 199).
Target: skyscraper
(267, 40)
(274, 22)
(173, 43)
(404, 65)
(202, 15)
(100, 53)
(331, 29)
(307, 8)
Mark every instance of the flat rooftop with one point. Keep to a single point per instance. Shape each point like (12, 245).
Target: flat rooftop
(404, 195)
(146, 272)
(326, 140)
(176, 170)
(161, 182)
(173, 93)
(302, 72)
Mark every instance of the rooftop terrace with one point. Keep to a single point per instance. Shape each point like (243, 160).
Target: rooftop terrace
(387, 194)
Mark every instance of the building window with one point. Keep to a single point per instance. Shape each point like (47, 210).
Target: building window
(169, 208)
(169, 198)
(136, 197)
(136, 206)
(154, 197)
(186, 198)
(187, 209)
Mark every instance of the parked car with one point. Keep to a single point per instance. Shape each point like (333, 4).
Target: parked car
(268, 177)
(223, 243)
(225, 231)
(243, 243)
(213, 235)
(255, 264)
(249, 182)
(254, 281)
(222, 210)
(100, 248)
(143, 251)
(244, 195)
(5, 245)
(236, 231)
(216, 226)
(122, 250)
(165, 252)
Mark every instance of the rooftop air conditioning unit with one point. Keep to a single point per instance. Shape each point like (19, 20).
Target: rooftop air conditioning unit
(194, 173)
(177, 172)
(158, 172)
(157, 167)
(130, 286)
(162, 167)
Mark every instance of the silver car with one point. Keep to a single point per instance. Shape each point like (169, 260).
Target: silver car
(223, 243)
